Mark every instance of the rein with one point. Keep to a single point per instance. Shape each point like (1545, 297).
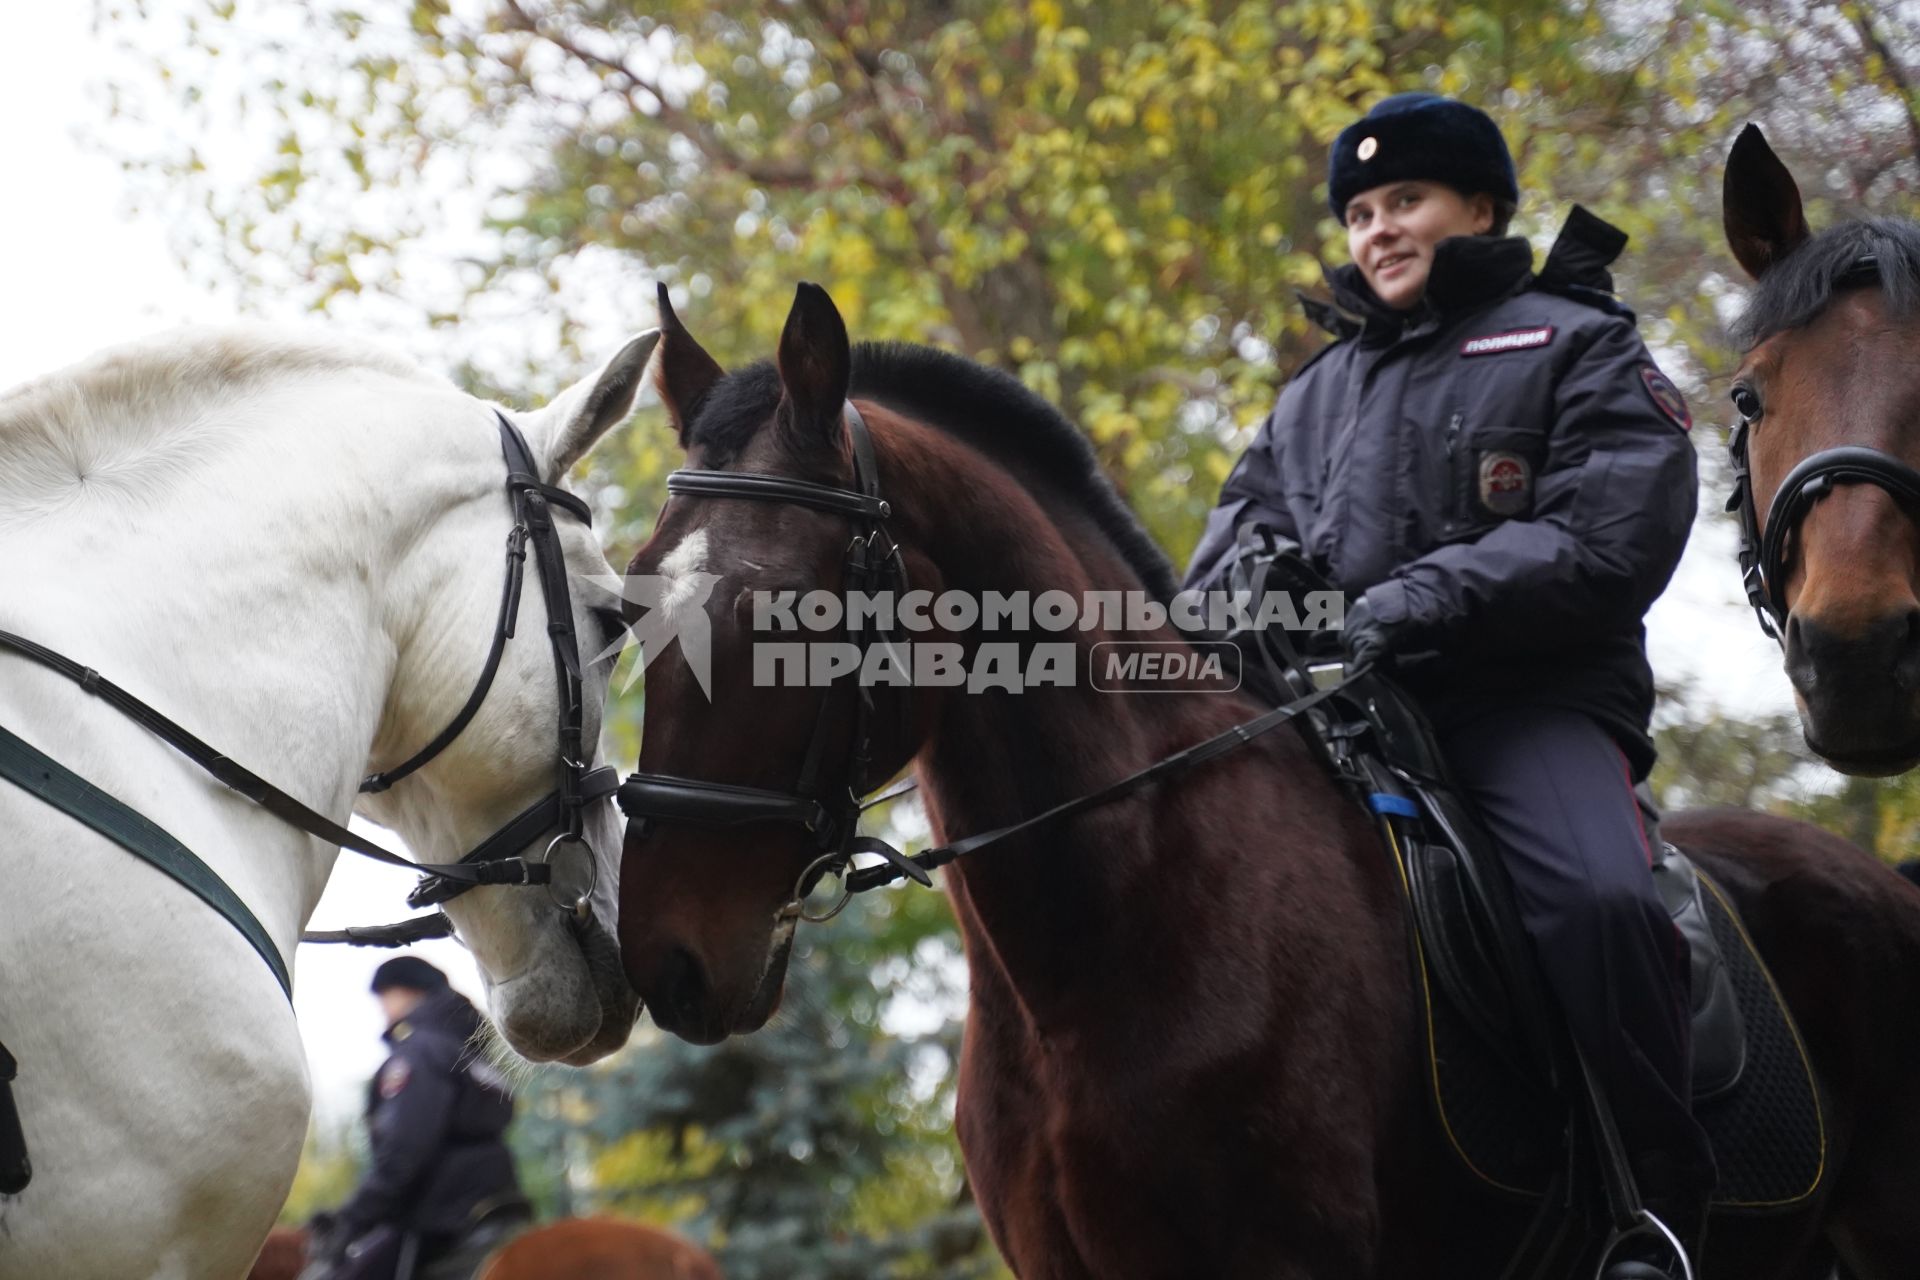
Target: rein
(567, 868)
(1764, 554)
(832, 814)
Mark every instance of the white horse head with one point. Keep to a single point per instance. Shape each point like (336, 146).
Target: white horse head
(294, 547)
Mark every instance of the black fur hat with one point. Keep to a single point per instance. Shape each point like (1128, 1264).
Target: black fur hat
(410, 972)
(1424, 136)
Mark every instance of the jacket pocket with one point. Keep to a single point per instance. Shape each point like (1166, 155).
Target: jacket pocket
(1494, 472)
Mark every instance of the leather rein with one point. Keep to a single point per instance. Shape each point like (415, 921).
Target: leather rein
(1764, 550)
(567, 868)
(831, 812)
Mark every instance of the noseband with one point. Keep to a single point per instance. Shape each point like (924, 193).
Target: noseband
(1763, 554)
(828, 809)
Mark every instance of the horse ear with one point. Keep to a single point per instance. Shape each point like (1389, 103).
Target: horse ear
(573, 421)
(684, 373)
(1761, 205)
(816, 363)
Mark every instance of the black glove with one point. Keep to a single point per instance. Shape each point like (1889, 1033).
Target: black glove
(1367, 640)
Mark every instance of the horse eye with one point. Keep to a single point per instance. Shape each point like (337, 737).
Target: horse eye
(1746, 403)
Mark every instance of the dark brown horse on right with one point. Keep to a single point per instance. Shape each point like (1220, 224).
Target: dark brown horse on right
(1828, 396)
(1194, 1046)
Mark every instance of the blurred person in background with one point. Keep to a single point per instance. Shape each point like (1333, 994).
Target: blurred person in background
(439, 1192)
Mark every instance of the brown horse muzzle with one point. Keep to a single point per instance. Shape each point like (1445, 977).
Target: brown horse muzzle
(1859, 690)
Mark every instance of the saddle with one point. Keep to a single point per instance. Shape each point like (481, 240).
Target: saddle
(1507, 1091)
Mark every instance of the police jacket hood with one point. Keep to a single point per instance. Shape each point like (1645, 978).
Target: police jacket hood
(437, 1114)
(1502, 471)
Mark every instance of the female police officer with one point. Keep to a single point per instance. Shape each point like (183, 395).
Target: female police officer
(1489, 464)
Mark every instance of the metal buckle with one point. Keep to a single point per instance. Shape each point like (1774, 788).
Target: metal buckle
(574, 875)
(827, 864)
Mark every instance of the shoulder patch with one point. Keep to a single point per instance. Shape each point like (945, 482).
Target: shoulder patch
(394, 1077)
(1666, 397)
(1494, 344)
(1506, 482)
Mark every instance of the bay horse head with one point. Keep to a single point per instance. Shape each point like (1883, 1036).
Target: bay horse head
(1828, 398)
(749, 782)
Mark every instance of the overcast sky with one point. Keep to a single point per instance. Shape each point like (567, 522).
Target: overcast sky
(81, 272)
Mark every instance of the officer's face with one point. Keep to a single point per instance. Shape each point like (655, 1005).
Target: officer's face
(1392, 229)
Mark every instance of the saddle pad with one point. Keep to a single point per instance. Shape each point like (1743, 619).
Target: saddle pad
(1768, 1131)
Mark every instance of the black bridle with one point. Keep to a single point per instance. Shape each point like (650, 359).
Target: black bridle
(1764, 551)
(567, 867)
(829, 808)
(832, 813)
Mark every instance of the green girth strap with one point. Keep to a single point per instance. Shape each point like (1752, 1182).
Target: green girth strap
(72, 794)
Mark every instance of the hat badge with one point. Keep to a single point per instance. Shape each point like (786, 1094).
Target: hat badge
(1367, 147)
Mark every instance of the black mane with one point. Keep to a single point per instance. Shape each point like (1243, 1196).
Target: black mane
(1806, 281)
(991, 410)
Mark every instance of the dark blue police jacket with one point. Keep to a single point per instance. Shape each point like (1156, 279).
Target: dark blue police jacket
(436, 1115)
(1503, 470)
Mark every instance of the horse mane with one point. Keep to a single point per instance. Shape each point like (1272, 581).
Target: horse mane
(986, 408)
(134, 413)
(1806, 281)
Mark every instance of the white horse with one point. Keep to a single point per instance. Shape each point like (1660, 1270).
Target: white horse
(294, 547)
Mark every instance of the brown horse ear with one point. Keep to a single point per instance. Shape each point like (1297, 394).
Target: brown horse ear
(682, 370)
(1761, 205)
(816, 364)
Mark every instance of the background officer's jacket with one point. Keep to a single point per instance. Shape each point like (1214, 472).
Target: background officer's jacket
(1503, 469)
(436, 1115)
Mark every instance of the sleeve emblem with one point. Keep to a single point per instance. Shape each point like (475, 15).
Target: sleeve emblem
(1666, 397)
(393, 1078)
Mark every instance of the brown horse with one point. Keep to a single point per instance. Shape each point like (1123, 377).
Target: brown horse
(600, 1249)
(571, 1249)
(283, 1256)
(1828, 395)
(1193, 1046)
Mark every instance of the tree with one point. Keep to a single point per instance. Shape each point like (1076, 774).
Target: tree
(1116, 200)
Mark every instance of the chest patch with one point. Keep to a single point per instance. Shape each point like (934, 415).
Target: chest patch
(1506, 482)
(1666, 397)
(1494, 344)
(393, 1078)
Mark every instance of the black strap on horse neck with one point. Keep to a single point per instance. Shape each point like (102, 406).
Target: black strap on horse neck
(237, 777)
(41, 775)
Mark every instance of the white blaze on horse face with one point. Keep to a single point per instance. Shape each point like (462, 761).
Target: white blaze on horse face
(675, 604)
(681, 569)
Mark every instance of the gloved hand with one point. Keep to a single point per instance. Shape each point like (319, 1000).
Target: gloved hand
(1366, 639)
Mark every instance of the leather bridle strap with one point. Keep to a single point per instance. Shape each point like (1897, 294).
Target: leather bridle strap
(829, 810)
(520, 485)
(1763, 555)
(1228, 740)
(238, 777)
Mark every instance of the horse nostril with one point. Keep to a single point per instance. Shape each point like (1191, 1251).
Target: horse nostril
(1855, 663)
(1906, 667)
(683, 985)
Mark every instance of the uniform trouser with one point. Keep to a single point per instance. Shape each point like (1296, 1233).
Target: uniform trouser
(1557, 796)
